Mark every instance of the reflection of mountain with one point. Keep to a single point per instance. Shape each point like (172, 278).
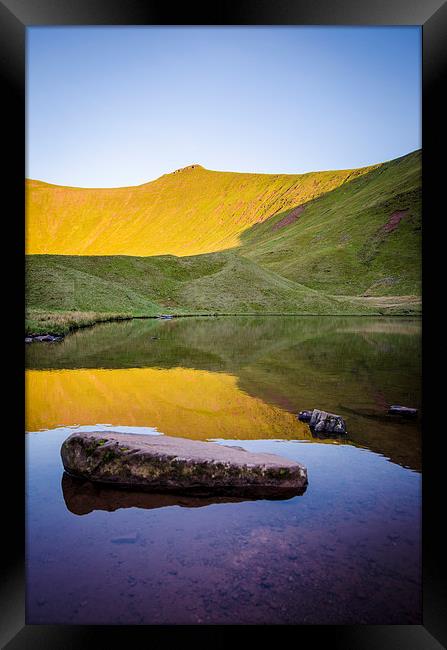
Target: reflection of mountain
(209, 343)
(352, 366)
(178, 402)
(82, 497)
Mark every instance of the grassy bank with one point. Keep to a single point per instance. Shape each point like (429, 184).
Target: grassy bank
(61, 323)
(221, 283)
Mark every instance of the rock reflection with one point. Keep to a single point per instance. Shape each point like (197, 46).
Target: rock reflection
(322, 435)
(82, 497)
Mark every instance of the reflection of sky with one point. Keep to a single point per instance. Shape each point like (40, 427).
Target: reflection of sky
(121, 106)
(104, 427)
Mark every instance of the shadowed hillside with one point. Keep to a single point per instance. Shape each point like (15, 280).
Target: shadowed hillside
(363, 237)
(222, 283)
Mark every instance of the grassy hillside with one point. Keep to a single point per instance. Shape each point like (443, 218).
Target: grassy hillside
(322, 243)
(147, 286)
(188, 212)
(361, 238)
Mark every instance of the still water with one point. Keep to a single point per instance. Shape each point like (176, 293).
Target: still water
(347, 551)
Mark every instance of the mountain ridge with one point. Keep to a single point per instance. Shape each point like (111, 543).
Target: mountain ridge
(199, 241)
(213, 206)
(220, 171)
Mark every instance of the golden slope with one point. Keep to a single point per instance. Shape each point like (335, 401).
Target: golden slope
(191, 211)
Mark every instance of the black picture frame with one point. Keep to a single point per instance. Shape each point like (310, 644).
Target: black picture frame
(15, 17)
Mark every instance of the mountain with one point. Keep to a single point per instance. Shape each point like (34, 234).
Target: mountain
(189, 212)
(201, 241)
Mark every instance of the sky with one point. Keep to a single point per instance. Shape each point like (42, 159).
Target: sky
(119, 106)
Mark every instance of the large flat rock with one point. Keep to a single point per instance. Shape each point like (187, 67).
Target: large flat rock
(179, 465)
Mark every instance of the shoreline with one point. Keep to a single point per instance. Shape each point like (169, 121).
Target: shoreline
(55, 335)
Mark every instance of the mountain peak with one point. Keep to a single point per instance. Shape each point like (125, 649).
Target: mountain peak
(187, 168)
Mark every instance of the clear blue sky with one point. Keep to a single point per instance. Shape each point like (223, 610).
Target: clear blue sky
(111, 106)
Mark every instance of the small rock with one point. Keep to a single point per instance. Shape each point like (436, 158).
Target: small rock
(47, 338)
(321, 422)
(403, 410)
(28, 339)
(304, 416)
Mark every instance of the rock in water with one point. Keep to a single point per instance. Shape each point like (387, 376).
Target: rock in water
(323, 422)
(304, 416)
(179, 465)
(403, 410)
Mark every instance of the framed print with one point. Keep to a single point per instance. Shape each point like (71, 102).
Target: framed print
(228, 415)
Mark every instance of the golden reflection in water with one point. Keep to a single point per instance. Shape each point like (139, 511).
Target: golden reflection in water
(178, 402)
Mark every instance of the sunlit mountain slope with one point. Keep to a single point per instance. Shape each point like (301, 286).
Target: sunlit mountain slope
(197, 241)
(191, 211)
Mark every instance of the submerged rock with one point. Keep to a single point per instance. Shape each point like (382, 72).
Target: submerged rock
(129, 538)
(178, 465)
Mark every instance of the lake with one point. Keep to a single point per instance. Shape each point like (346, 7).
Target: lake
(347, 551)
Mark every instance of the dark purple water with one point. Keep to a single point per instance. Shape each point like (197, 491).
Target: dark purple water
(345, 552)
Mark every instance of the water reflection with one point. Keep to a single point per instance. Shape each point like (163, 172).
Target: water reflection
(322, 435)
(235, 377)
(346, 552)
(82, 497)
(178, 402)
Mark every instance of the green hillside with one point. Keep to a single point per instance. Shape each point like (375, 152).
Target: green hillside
(347, 241)
(345, 244)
